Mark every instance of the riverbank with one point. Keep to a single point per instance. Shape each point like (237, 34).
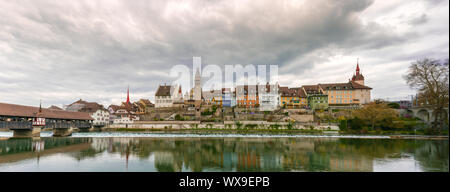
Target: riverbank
(392, 134)
(262, 132)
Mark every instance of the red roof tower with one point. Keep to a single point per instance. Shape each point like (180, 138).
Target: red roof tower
(128, 95)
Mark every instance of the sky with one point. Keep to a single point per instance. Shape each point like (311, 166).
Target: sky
(62, 51)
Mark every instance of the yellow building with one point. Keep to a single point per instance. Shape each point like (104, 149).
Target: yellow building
(292, 98)
(353, 93)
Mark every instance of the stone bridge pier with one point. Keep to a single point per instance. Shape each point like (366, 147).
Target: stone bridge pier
(62, 132)
(34, 131)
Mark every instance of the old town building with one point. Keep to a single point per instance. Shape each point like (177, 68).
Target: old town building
(166, 95)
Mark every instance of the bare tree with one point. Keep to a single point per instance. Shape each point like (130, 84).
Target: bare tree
(431, 78)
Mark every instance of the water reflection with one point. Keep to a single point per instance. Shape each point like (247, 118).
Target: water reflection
(222, 154)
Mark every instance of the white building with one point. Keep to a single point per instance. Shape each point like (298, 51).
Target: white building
(269, 98)
(122, 116)
(166, 95)
(101, 117)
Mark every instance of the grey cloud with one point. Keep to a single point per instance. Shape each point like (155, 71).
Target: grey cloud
(419, 20)
(94, 49)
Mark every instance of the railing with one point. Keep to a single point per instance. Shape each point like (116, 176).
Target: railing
(61, 125)
(48, 124)
(66, 125)
(82, 124)
(16, 124)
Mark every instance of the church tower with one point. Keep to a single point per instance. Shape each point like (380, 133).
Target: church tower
(358, 77)
(198, 86)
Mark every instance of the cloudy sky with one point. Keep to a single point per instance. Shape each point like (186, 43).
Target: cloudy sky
(60, 51)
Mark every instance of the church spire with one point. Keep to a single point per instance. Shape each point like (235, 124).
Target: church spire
(128, 94)
(40, 106)
(357, 66)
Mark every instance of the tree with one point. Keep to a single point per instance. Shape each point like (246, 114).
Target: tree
(394, 105)
(430, 78)
(375, 112)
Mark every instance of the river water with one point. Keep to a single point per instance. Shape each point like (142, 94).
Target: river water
(151, 152)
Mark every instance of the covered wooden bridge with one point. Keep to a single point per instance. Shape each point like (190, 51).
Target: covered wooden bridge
(24, 120)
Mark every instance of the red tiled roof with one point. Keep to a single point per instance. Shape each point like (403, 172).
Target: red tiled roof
(336, 86)
(312, 89)
(359, 86)
(114, 107)
(300, 92)
(163, 90)
(28, 111)
(54, 108)
(89, 107)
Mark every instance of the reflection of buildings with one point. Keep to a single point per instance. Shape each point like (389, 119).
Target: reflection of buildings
(100, 144)
(351, 164)
(165, 162)
(13, 150)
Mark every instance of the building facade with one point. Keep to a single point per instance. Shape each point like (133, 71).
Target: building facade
(100, 115)
(166, 95)
(247, 96)
(269, 97)
(317, 99)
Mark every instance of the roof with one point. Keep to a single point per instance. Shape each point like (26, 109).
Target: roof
(336, 86)
(28, 111)
(357, 77)
(356, 85)
(300, 92)
(114, 107)
(163, 90)
(85, 106)
(146, 102)
(286, 92)
(312, 89)
(244, 89)
(54, 108)
(343, 86)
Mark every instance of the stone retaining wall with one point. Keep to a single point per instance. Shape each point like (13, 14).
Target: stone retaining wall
(224, 125)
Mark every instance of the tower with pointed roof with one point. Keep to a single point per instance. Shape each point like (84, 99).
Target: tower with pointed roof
(358, 77)
(128, 95)
(198, 86)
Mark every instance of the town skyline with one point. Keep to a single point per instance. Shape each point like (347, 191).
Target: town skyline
(59, 53)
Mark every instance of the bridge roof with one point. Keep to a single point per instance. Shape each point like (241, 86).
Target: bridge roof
(28, 111)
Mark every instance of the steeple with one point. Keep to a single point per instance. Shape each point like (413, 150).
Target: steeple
(357, 66)
(40, 106)
(358, 77)
(128, 94)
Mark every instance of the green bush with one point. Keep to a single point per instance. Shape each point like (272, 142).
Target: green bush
(290, 126)
(238, 125)
(251, 126)
(343, 126)
(276, 126)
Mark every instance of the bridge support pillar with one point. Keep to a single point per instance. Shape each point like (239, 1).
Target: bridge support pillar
(20, 133)
(62, 132)
(90, 129)
(98, 129)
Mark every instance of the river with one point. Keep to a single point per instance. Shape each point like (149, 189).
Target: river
(162, 152)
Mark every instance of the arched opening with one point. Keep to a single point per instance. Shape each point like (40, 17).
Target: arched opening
(423, 115)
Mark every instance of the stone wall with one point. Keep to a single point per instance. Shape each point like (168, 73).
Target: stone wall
(224, 125)
(302, 118)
